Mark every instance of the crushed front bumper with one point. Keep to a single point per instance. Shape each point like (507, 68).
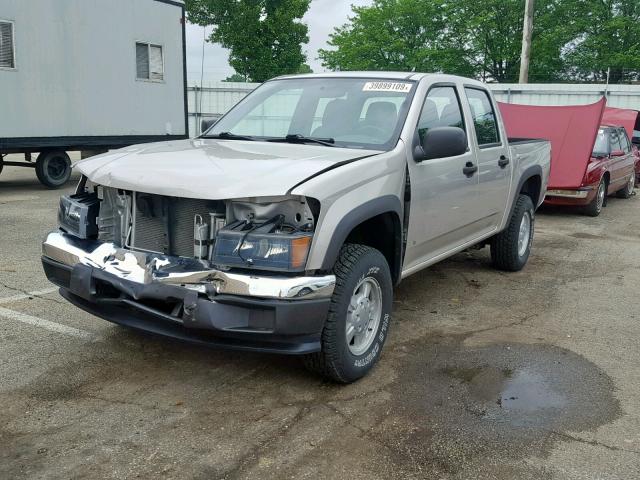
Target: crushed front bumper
(185, 299)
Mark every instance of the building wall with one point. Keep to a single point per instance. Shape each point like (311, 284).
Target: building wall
(76, 69)
(620, 96)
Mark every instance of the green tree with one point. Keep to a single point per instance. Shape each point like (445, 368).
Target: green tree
(491, 34)
(304, 68)
(401, 35)
(571, 38)
(265, 37)
(236, 77)
(609, 37)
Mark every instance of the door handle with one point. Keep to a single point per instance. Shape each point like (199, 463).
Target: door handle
(503, 162)
(469, 169)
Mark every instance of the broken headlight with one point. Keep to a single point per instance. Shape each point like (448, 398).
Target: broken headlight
(78, 214)
(269, 245)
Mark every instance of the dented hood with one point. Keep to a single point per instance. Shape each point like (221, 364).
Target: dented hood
(214, 169)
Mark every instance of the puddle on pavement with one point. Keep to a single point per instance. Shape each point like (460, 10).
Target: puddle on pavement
(465, 405)
(527, 392)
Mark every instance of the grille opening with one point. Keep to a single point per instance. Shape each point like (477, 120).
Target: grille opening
(166, 224)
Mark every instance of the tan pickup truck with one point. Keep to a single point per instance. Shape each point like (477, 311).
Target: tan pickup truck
(285, 227)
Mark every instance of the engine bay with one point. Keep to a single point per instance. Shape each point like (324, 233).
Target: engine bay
(271, 233)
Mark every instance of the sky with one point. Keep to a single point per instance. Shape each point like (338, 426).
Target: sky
(323, 16)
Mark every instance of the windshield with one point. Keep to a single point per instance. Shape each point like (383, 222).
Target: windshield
(342, 112)
(601, 147)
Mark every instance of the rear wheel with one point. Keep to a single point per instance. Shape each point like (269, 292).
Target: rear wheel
(359, 316)
(595, 207)
(53, 168)
(627, 191)
(510, 248)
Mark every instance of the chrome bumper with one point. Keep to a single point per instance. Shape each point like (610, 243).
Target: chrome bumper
(190, 273)
(578, 193)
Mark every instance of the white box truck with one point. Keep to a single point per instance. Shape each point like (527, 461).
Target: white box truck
(89, 76)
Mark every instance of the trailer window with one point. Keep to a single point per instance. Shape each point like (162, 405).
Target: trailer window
(7, 53)
(149, 62)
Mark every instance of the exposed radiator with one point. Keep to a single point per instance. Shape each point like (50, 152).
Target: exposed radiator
(165, 224)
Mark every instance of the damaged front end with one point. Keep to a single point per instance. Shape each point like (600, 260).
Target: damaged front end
(232, 271)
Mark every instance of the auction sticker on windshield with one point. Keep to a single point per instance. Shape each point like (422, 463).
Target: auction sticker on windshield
(402, 87)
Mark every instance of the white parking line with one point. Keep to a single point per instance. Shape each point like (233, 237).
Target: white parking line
(24, 296)
(46, 324)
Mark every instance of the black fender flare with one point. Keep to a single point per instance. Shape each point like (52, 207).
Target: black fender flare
(532, 171)
(362, 213)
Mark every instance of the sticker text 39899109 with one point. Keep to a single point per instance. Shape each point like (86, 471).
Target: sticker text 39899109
(400, 87)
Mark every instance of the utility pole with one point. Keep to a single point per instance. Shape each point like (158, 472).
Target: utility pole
(526, 42)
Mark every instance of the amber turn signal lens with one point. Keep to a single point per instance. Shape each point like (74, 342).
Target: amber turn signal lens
(299, 251)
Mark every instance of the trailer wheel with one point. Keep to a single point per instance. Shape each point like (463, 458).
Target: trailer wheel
(53, 168)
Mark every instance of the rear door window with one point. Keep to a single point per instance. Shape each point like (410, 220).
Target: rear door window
(624, 140)
(484, 117)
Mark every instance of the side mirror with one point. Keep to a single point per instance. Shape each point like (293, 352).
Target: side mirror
(441, 142)
(207, 124)
(617, 153)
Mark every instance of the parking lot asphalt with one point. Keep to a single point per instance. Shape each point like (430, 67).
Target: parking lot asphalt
(486, 375)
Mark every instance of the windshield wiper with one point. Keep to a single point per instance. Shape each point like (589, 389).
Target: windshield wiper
(229, 136)
(297, 138)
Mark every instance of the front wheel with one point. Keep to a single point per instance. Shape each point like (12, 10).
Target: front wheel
(595, 207)
(359, 316)
(510, 248)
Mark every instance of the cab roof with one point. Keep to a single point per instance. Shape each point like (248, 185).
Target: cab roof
(410, 76)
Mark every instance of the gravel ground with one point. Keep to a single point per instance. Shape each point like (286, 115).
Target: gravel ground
(486, 375)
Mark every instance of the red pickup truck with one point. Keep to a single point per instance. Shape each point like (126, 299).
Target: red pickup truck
(611, 169)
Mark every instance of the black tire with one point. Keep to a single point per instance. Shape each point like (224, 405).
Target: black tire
(595, 207)
(53, 168)
(627, 191)
(505, 250)
(335, 361)
(1, 164)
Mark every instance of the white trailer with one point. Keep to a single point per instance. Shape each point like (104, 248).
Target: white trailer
(89, 75)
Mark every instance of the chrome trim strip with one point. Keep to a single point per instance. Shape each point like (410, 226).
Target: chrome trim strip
(146, 268)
